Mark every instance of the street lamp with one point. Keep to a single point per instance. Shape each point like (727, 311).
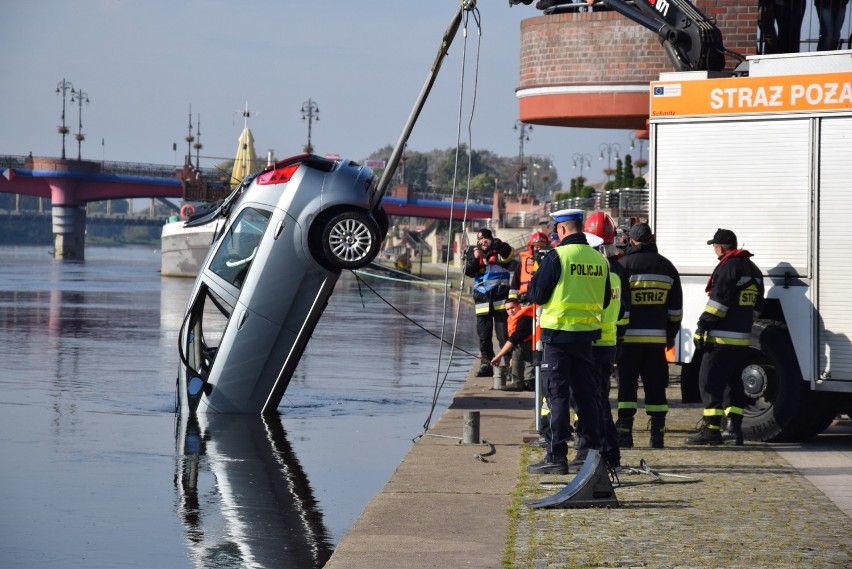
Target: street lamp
(523, 135)
(81, 98)
(63, 87)
(609, 149)
(310, 112)
(641, 162)
(197, 145)
(584, 160)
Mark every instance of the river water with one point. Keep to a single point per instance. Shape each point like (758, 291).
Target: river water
(97, 471)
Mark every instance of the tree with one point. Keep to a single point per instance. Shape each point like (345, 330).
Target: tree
(627, 176)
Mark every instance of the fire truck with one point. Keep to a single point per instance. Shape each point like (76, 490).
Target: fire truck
(765, 151)
(768, 156)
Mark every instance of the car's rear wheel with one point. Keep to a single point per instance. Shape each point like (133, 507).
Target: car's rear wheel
(350, 240)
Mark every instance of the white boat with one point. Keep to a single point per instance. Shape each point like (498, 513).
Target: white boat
(185, 248)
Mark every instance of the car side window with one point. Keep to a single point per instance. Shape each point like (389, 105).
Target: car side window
(239, 246)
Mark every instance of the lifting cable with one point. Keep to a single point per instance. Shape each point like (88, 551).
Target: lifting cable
(439, 382)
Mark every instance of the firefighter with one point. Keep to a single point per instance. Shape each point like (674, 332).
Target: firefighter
(519, 345)
(614, 320)
(723, 332)
(537, 246)
(656, 310)
(489, 268)
(572, 287)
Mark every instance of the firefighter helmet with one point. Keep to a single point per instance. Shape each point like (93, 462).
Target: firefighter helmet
(537, 241)
(602, 225)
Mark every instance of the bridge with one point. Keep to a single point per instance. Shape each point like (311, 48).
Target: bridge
(70, 184)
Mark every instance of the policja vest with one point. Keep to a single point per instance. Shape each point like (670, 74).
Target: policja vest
(576, 304)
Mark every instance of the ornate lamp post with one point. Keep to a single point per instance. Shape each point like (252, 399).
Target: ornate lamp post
(523, 135)
(310, 113)
(198, 146)
(584, 160)
(641, 162)
(63, 87)
(81, 98)
(609, 149)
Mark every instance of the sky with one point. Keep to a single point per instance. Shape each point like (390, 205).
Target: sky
(144, 63)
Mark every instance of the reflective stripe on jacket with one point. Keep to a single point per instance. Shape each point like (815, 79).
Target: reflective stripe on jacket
(736, 299)
(656, 296)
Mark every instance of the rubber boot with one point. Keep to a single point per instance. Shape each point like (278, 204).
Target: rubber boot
(733, 433)
(658, 428)
(624, 432)
(485, 370)
(708, 434)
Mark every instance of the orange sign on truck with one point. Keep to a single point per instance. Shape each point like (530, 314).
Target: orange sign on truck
(750, 95)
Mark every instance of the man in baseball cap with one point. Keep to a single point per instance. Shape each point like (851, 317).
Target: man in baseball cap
(724, 237)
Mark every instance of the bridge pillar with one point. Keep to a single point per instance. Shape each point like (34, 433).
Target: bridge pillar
(69, 232)
(69, 217)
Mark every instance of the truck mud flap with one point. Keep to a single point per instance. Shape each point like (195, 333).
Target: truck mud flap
(590, 488)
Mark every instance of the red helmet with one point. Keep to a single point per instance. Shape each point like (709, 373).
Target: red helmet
(538, 238)
(602, 225)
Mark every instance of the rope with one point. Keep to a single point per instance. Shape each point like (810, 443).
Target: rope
(398, 311)
(470, 8)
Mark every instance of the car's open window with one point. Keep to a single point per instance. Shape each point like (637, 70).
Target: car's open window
(238, 248)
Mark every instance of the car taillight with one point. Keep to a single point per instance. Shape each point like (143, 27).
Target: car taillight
(279, 175)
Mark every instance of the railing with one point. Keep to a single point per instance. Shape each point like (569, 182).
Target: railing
(125, 168)
(623, 203)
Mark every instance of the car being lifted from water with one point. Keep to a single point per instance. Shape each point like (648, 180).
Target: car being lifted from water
(289, 232)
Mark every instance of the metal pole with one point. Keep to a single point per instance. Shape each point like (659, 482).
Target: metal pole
(470, 432)
(63, 87)
(393, 162)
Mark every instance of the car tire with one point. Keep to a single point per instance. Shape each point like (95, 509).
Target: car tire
(350, 240)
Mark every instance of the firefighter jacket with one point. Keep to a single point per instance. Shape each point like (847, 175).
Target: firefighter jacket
(527, 266)
(520, 326)
(736, 300)
(656, 297)
(572, 286)
(613, 320)
(490, 273)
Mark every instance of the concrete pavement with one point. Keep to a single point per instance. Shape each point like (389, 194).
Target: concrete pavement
(453, 505)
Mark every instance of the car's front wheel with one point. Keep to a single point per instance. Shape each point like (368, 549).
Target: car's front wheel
(350, 240)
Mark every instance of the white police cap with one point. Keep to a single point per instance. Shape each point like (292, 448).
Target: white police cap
(567, 215)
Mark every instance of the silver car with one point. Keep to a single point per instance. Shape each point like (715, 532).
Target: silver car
(289, 232)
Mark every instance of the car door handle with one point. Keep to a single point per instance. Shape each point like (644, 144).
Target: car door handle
(242, 320)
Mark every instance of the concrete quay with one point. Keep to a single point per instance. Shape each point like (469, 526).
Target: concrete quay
(454, 505)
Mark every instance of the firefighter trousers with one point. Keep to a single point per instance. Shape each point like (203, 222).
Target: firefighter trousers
(647, 361)
(721, 368)
(486, 327)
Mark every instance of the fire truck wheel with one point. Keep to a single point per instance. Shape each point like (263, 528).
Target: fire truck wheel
(781, 405)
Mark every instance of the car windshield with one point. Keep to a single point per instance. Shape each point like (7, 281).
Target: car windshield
(239, 246)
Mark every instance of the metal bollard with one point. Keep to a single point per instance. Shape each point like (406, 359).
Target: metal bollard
(499, 377)
(470, 435)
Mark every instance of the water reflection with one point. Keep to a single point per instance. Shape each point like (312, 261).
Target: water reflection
(243, 497)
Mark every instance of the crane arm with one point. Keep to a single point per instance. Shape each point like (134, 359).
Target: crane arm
(691, 40)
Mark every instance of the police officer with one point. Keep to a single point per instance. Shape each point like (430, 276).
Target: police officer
(724, 328)
(488, 266)
(656, 310)
(572, 287)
